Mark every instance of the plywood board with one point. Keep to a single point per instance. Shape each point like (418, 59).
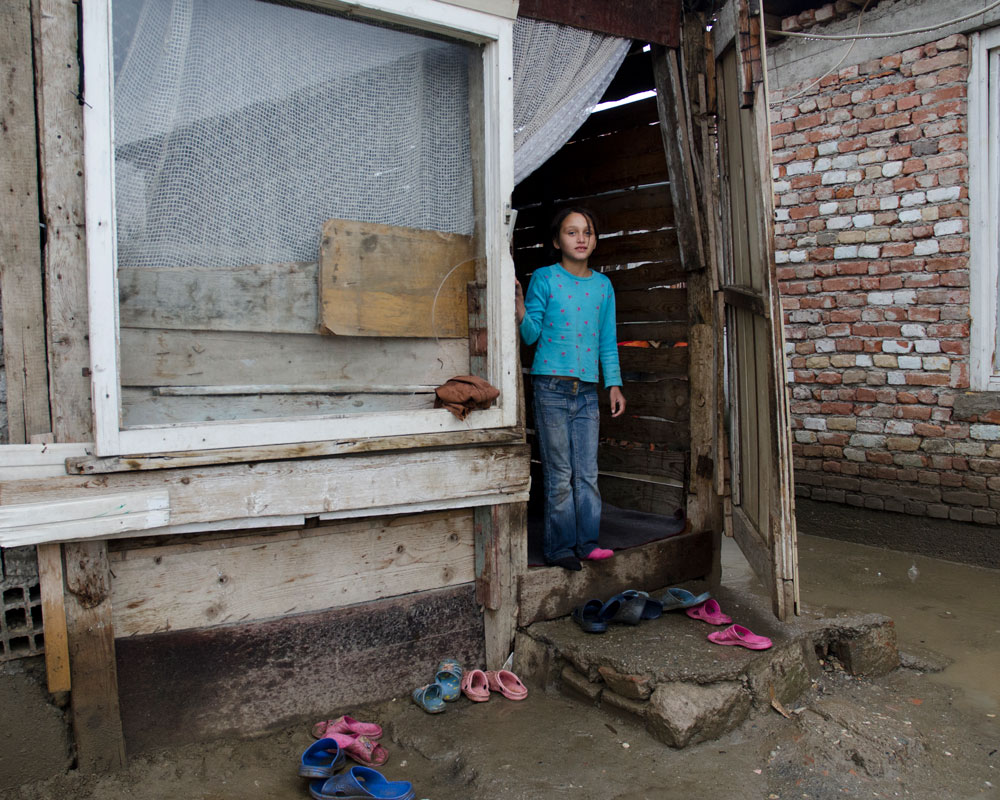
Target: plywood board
(259, 578)
(385, 280)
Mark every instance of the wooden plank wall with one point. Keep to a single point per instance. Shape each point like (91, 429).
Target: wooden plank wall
(615, 166)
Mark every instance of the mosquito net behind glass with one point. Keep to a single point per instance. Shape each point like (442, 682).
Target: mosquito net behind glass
(241, 126)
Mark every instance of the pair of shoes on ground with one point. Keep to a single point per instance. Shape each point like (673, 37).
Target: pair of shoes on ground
(573, 563)
(320, 763)
(477, 685)
(336, 740)
(354, 738)
(446, 688)
(629, 607)
(710, 612)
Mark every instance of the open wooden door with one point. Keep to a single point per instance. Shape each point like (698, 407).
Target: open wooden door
(762, 518)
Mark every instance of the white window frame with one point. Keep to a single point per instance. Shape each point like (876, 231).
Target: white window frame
(984, 210)
(494, 32)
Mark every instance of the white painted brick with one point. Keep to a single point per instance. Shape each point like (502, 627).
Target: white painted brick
(927, 346)
(896, 378)
(909, 362)
(805, 437)
(989, 432)
(790, 199)
(823, 164)
(798, 167)
(926, 247)
(944, 194)
(880, 298)
(948, 226)
(807, 106)
(863, 360)
(853, 454)
(942, 363)
(814, 423)
(888, 203)
(890, 169)
(904, 297)
(775, 173)
(846, 251)
(871, 157)
(893, 346)
(827, 148)
(838, 223)
(898, 426)
(870, 425)
(780, 256)
(834, 176)
(910, 215)
(913, 330)
(913, 199)
(781, 215)
(828, 208)
(867, 440)
(797, 256)
(845, 161)
(863, 220)
(869, 251)
(855, 176)
(780, 187)
(825, 346)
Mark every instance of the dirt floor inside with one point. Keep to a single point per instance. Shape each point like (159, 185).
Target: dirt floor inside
(927, 730)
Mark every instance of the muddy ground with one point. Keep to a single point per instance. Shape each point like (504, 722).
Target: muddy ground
(917, 732)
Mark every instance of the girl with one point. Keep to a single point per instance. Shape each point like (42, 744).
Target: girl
(570, 311)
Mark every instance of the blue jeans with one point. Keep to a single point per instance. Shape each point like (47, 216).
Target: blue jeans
(566, 421)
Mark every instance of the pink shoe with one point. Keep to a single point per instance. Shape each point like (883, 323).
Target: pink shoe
(362, 749)
(507, 683)
(345, 724)
(599, 554)
(737, 634)
(709, 612)
(476, 686)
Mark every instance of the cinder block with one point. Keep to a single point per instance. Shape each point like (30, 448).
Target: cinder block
(872, 652)
(680, 714)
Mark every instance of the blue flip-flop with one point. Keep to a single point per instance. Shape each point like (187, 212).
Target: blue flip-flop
(449, 677)
(588, 616)
(621, 609)
(360, 783)
(321, 759)
(429, 698)
(682, 598)
(648, 607)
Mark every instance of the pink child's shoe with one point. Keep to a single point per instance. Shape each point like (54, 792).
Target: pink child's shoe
(599, 554)
(737, 634)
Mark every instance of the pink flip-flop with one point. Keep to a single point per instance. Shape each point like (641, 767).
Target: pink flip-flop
(345, 724)
(737, 634)
(709, 612)
(507, 683)
(599, 554)
(362, 749)
(476, 686)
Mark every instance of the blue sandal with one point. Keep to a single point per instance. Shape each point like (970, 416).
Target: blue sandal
(449, 678)
(682, 598)
(321, 759)
(429, 698)
(360, 783)
(588, 617)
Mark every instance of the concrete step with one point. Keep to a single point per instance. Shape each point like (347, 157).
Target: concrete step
(685, 689)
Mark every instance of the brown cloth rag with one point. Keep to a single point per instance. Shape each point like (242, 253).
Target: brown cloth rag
(465, 393)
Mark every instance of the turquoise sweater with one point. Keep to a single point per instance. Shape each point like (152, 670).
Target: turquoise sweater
(573, 321)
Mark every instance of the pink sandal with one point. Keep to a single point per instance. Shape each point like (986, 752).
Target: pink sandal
(709, 612)
(738, 635)
(507, 683)
(345, 724)
(476, 686)
(599, 554)
(362, 749)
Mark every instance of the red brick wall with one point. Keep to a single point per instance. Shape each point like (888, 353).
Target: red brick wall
(872, 238)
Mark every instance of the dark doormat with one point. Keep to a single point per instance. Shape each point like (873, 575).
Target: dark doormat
(621, 528)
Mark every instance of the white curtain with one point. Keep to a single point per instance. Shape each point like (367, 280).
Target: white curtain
(241, 126)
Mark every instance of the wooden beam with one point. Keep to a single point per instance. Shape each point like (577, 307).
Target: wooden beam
(60, 139)
(50, 580)
(508, 525)
(97, 726)
(674, 127)
(646, 20)
(20, 247)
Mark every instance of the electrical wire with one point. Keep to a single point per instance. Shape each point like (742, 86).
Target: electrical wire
(832, 69)
(856, 36)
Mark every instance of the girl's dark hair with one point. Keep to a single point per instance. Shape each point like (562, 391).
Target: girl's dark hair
(556, 225)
